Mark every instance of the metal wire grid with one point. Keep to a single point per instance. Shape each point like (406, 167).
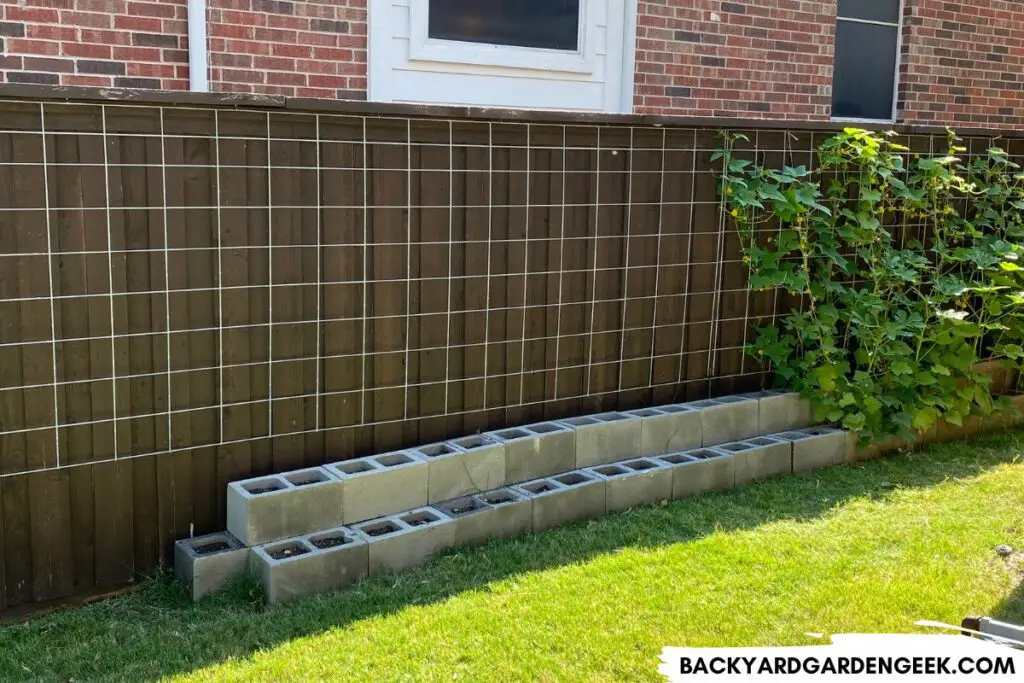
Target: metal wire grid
(670, 160)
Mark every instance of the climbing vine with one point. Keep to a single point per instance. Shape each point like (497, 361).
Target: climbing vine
(908, 269)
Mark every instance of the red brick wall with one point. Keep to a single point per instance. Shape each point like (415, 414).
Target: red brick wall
(304, 48)
(963, 63)
(746, 58)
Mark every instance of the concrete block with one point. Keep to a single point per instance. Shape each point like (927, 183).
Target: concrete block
(816, 447)
(564, 498)
(759, 458)
(208, 563)
(502, 513)
(605, 438)
(730, 418)
(632, 483)
(326, 560)
(782, 411)
(463, 466)
(700, 470)
(381, 485)
(266, 509)
(407, 540)
(668, 429)
(537, 450)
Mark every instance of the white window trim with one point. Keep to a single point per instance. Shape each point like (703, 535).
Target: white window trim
(424, 48)
(896, 76)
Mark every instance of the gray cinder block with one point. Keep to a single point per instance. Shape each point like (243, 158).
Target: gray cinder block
(502, 513)
(208, 563)
(816, 447)
(699, 470)
(782, 411)
(564, 498)
(312, 564)
(381, 485)
(537, 450)
(730, 418)
(463, 466)
(668, 429)
(760, 458)
(605, 438)
(407, 540)
(632, 483)
(265, 509)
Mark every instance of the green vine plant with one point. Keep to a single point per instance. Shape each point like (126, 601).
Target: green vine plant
(907, 269)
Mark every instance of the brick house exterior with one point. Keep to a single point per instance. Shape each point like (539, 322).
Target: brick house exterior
(960, 63)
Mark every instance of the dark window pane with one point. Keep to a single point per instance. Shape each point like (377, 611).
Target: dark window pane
(550, 24)
(865, 69)
(872, 10)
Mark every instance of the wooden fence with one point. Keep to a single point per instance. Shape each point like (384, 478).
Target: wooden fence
(192, 294)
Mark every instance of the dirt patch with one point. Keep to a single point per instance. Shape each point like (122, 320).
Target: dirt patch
(290, 551)
(1014, 563)
(329, 542)
(208, 548)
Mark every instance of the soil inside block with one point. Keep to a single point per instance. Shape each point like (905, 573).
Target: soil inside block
(329, 542)
(290, 551)
(381, 530)
(263, 489)
(208, 548)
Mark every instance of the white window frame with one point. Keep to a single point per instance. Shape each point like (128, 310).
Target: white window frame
(582, 60)
(896, 75)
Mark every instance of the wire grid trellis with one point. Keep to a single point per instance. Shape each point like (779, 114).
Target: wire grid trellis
(255, 274)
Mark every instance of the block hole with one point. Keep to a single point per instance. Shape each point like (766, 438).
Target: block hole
(641, 465)
(791, 436)
(731, 399)
(463, 506)
(419, 518)
(611, 471)
(572, 479)
(702, 404)
(674, 459)
(394, 460)
(736, 447)
(286, 550)
(471, 442)
(355, 467)
(498, 497)
(256, 488)
(675, 409)
(542, 486)
(331, 539)
(435, 450)
(510, 434)
(307, 478)
(762, 441)
(612, 417)
(210, 547)
(704, 454)
(646, 412)
(544, 428)
(380, 529)
(817, 431)
(581, 421)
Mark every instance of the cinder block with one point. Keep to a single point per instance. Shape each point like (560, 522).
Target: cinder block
(208, 563)
(632, 483)
(700, 470)
(605, 438)
(266, 509)
(311, 564)
(730, 418)
(502, 513)
(782, 412)
(463, 466)
(564, 498)
(668, 429)
(381, 485)
(537, 450)
(406, 540)
(816, 447)
(760, 458)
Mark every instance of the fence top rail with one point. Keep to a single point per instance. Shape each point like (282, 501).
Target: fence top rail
(82, 94)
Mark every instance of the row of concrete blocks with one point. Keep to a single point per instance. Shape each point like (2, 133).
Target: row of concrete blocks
(328, 559)
(268, 508)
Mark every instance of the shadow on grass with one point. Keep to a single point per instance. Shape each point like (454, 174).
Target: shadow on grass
(156, 631)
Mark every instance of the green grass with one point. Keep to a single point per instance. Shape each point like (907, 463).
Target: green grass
(870, 548)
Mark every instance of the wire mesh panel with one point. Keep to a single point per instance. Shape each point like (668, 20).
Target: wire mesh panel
(195, 294)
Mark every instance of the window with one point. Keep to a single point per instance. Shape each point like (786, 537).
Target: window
(867, 50)
(550, 24)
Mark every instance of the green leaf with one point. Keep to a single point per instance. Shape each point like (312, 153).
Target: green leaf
(901, 367)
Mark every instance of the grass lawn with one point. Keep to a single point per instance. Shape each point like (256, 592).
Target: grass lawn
(868, 548)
